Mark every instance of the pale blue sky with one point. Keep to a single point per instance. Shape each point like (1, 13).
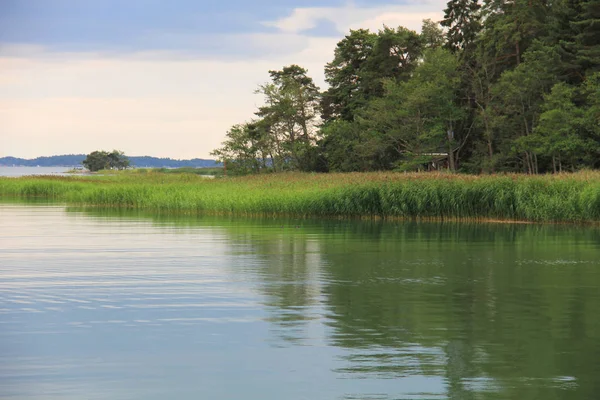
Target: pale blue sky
(156, 77)
(129, 25)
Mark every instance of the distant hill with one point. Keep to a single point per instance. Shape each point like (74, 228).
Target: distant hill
(53, 161)
(72, 160)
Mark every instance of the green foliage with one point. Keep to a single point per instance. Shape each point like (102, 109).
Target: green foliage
(557, 134)
(574, 198)
(417, 117)
(395, 56)
(591, 90)
(340, 146)
(519, 95)
(511, 27)
(362, 61)
(463, 20)
(344, 74)
(587, 38)
(432, 35)
(97, 160)
(515, 90)
(285, 135)
(245, 150)
(289, 115)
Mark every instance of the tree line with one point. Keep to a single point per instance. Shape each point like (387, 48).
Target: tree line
(496, 86)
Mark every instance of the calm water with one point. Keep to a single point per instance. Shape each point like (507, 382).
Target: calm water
(24, 171)
(98, 305)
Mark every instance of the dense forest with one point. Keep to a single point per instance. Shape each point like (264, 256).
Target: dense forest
(496, 86)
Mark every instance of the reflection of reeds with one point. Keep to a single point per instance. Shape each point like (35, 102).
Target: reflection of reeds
(567, 197)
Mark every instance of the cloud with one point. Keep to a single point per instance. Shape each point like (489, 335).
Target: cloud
(349, 17)
(183, 127)
(163, 101)
(157, 103)
(323, 28)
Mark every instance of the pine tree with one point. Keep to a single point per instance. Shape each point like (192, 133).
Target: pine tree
(588, 37)
(463, 20)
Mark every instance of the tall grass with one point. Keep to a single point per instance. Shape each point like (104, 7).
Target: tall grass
(559, 198)
(208, 171)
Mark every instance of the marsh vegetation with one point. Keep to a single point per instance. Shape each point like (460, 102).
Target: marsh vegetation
(511, 197)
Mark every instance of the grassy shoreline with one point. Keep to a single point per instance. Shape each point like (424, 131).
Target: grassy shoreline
(501, 198)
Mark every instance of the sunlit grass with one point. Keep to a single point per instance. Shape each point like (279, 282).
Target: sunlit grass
(213, 171)
(566, 197)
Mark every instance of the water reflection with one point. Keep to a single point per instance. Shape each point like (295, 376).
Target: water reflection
(316, 309)
(495, 303)
(498, 309)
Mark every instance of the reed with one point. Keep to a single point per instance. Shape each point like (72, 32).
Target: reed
(551, 198)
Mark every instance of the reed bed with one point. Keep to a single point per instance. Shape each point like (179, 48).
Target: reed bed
(550, 198)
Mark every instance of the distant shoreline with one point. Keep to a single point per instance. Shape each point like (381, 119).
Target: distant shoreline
(75, 160)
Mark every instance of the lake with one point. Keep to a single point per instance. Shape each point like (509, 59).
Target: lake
(126, 305)
(25, 171)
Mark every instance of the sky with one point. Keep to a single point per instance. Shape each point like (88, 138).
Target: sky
(164, 78)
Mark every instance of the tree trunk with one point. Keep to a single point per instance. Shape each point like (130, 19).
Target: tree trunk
(559, 164)
(529, 164)
(488, 136)
(304, 125)
(491, 155)
(451, 163)
(273, 164)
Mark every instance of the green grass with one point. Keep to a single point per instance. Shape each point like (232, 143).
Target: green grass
(558, 198)
(184, 170)
(213, 172)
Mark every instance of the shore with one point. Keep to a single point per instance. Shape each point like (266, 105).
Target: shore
(573, 198)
